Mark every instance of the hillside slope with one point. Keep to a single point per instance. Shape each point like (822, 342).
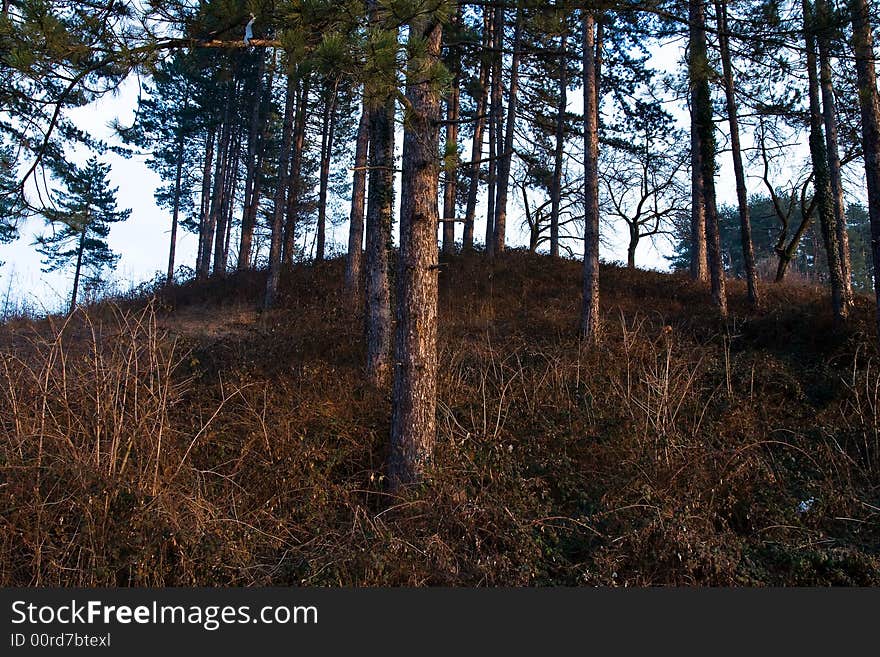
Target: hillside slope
(189, 439)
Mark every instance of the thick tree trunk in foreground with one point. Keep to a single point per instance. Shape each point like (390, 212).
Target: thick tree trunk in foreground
(413, 420)
(590, 310)
(274, 277)
(703, 126)
(745, 220)
(499, 233)
(869, 103)
(821, 177)
(559, 153)
(353, 261)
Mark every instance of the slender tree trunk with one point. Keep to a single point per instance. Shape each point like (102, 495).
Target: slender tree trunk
(736, 150)
(380, 206)
(821, 177)
(328, 126)
(699, 264)
(506, 155)
(590, 310)
(175, 215)
(256, 144)
(221, 167)
(205, 199)
(829, 118)
(477, 143)
(224, 223)
(274, 277)
(216, 198)
(295, 176)
(414, 398)
(79, 258)
(704, 127)
(559, 153)
(495, 129)
(451, 163)
(869, 104)
(353, 262)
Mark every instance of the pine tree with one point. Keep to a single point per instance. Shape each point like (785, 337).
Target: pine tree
(86, 210)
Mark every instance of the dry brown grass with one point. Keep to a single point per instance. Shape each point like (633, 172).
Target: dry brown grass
(190, 440)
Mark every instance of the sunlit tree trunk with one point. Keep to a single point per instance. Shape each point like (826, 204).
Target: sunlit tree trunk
(704, 128)
(590, 308)
(413, 420)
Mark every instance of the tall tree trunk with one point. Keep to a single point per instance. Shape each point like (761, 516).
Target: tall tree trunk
(206, 197)
(224, 223)
(821, 177)
(79, 258)
(451, 160)
(414, 397)
(829, 119)
(745, 220)
(506, 155)
(590, 310)
(704, 127)
(175, 214)
(327, 128)
(477, 142)
(256, 144)
(216, 198)
(274, 277)
(699, 265)
(495, 131)
(869, 104)
(295, 175)
(353, 262)
(380, 206)
(559, 153)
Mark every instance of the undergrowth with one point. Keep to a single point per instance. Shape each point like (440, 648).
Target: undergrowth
(184, 438)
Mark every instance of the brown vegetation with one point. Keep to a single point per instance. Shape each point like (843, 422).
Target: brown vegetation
(189, 439)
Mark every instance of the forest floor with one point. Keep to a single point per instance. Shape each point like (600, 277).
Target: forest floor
(185, 438)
